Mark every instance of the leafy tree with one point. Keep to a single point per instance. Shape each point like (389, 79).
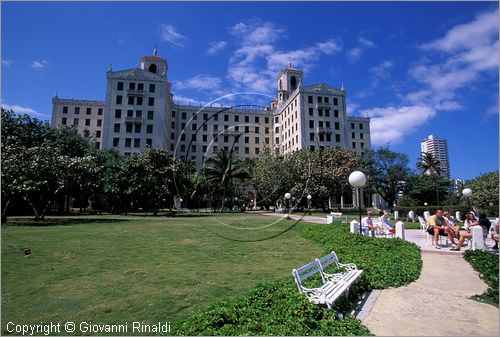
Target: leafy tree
(485, 192)
(222, 173)
(428, 164)
(420, 188)
(388, 173)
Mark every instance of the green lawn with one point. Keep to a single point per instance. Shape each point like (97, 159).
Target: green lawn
(140, 269)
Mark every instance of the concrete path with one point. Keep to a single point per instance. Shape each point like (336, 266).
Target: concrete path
(436, 304)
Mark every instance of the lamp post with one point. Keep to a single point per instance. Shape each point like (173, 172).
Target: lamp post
(287, 197)
(357, 179)
(467, 192)
(309, 197)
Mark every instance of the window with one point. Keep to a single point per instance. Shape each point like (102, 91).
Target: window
(151, 101)
(276, 119)
(266, 120)
(247, 150)
(311, 136)
(277, 140)
(257, 140)
(327, 99)
(247, 129)
(194, 126)
(138, 113)
(337, 125)
(118, 113)
(183, 115)
(216, 118)
(276, 129)
(86, 133)
(98, 134)
(173, 125)
(216, 127)
(119, 99)
(327, 124)
(151, 88)
(97, 145)
(183, 137)
(130, 113)
(75, 122)
(139, 100)
(360, 126)
(266, 140)
(116, 127)
(237, 128)
(150, 115)
(362, 145)
(204, 138)
(128, 142)
(137, 142)
(309, 99)
(361, 135)
(320, 112)
(128, 128)
(320, 124)
(352, 126)
(311, 124)
(65, 110)
(215, 149)
(353, 135)
(172, 136)
(327, 112)
(257, 150)
(321, 137)
(193, 137)
(336, 113)
(193, 148)
(205, 117)
(226, 118)
(205, 127)
(311, 111)
(77, 110)
(266, 131)
(236, 118)
(140, 86)
(204, 148)
(236, 149)
(328, 137)
(138, 128)
(131, 85)
(63, 121)
(353, 145)
(335, 101)
(247, 119)
(149, 142)
(247, 140)
(99, 112)
(257, 129)
(337, 138)
(116, 142)
(119, 86)
(89, 111)
(226, 139)
(149, 128)
(320, 99)
(256, 119)
(130, 100)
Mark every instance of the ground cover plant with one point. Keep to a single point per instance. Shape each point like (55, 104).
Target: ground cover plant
(486, 264)
(142, 269)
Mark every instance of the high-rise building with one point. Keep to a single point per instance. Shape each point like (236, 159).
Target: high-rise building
(439, 149)
(139, 112)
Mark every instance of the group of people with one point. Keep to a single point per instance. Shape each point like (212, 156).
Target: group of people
(368, 226)
(443, 224)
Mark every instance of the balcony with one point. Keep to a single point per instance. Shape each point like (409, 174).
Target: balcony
(134, 120)
(227, 132)
(132, 92)
(323, 105)
(324, 130)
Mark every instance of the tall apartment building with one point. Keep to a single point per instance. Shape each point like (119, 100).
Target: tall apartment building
(439, 149)
(139, 111)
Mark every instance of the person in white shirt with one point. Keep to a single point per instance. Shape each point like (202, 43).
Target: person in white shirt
(384, 220)
(367, 224)
(452, 229)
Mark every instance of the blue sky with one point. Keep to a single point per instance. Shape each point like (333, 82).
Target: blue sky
(414, 68)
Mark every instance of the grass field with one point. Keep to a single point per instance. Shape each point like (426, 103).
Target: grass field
(140, 269)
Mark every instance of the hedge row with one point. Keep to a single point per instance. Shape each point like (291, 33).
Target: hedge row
(486, 265)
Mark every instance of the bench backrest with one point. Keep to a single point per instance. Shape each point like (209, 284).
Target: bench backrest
(303, 273)
(327, 260)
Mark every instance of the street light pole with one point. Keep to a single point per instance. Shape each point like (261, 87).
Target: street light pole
(467, 192)
(357, 179)
(287, 197)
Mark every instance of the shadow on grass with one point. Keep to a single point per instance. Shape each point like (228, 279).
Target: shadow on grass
(59, 222)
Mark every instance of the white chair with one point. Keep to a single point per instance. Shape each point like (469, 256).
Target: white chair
(423, 224)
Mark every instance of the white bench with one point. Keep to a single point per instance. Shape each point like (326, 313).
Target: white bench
(331, 285)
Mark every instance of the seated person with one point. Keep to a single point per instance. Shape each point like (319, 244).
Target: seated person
(452, 229)
(483, 222)
(367, 224)
(386, 223)
(437, 226)
(494, 236)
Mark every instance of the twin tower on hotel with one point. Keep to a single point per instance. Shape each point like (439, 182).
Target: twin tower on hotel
(139, 111)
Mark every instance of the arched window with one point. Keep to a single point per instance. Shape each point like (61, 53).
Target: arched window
(280, 85)
(293, 83)
(152, 68)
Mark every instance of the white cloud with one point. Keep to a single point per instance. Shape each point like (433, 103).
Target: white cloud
(256, 62)
(171, 35)
(366, 43)
(354, 54)
(7, 63)
(216, 47)
(22, 110)
(39, 64)
(351, 108)
(381, 72)
(183, 100)
(200, 82)
(392, 124)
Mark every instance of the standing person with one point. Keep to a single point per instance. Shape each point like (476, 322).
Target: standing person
(367, 224)
(386, 223)
(437, 224)
(483, 222)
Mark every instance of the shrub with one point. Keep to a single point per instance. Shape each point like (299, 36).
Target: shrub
(271, 308)
(486, 265)
(386, 262)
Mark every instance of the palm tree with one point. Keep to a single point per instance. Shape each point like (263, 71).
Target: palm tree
(222, 172)
(428, 164)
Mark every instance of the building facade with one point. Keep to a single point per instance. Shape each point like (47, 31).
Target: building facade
(439, 149)
(139, 111)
